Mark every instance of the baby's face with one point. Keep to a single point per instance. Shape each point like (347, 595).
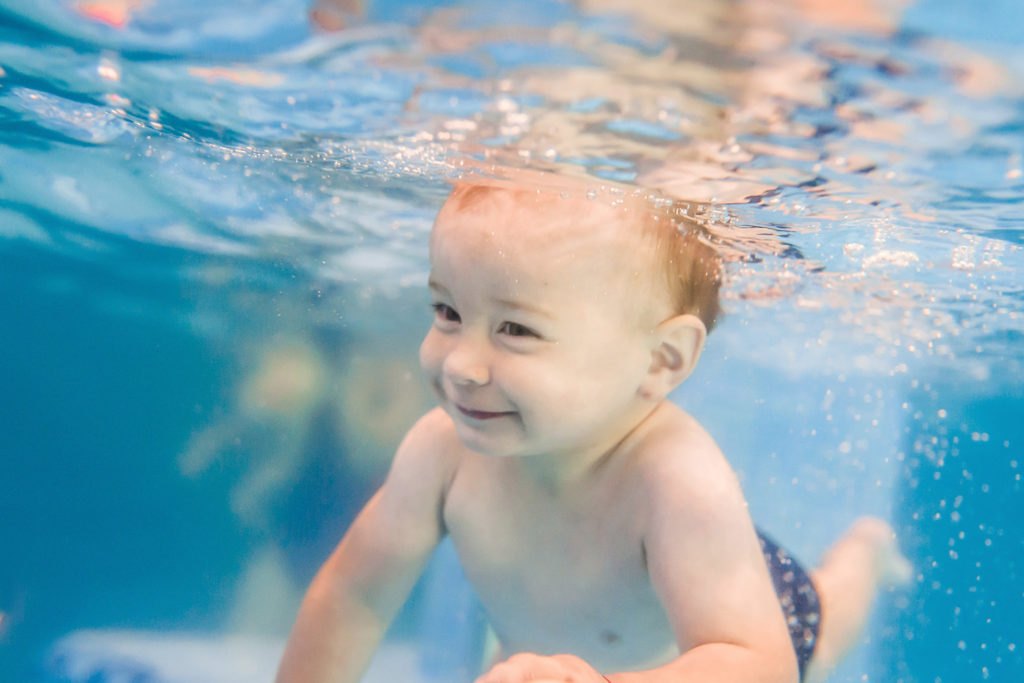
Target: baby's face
(542, 325)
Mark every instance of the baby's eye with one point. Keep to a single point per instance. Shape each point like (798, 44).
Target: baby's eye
(516, 330)
(446, 313)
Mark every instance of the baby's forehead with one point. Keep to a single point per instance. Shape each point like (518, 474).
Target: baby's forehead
(568, 211)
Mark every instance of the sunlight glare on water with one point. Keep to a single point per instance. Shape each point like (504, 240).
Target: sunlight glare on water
(872, 176)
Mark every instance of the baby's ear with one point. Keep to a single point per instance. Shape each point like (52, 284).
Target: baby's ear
(678, 343)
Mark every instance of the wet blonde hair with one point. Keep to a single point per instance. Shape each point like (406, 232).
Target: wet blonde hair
(690, 266)
(686, 267)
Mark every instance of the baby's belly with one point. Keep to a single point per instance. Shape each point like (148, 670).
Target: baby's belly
(618, 629)
(611, 658)
(559, 577)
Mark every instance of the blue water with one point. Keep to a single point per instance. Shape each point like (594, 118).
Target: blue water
(212, 252)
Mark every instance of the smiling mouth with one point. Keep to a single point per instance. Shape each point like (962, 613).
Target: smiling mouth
(481, 414)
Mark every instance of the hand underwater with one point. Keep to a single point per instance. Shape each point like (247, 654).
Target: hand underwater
(524, 667)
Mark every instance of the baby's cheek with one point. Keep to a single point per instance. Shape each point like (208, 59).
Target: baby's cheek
(430, 354)
(562, 394)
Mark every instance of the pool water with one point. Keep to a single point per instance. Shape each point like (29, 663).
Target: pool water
(213, 228)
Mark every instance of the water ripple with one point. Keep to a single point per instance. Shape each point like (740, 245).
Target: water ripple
(865, 177)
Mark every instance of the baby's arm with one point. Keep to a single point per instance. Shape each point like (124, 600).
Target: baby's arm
(362, 585)
(705, 562)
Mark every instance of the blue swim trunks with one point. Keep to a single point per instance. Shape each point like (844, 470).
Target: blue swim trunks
(798, 598)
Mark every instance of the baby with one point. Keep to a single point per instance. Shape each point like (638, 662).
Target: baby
(602, 528)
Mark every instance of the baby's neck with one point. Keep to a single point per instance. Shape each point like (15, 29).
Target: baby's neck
(560, 472)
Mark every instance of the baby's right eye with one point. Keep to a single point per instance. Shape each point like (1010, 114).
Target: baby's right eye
(446, 313)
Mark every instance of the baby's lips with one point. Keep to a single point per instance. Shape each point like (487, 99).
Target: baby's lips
(480, 414)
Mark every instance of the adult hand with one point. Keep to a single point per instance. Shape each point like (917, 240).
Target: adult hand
(524, 667)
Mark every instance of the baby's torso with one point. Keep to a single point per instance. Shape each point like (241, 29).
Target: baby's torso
(559, 574)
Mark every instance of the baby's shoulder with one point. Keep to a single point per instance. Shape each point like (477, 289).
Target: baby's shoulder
(675, 436)
(677, 454)
(430, 449)
(435, 427)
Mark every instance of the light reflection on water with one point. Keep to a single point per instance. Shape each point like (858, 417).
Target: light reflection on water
(885, 162)
(218, 169)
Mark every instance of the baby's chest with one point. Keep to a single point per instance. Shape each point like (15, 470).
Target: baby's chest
(540, 542)
(547, 563)
(557, 580)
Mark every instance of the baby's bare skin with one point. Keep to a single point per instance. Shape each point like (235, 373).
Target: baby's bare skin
(601, 526)
(583, 568)
(592, 516)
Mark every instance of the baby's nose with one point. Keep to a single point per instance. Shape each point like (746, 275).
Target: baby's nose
(467, 364)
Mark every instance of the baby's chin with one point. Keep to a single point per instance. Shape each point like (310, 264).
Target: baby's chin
(476, 438)
(484, 447)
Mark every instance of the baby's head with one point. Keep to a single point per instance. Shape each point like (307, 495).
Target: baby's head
(639, 240)
(563, 314)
